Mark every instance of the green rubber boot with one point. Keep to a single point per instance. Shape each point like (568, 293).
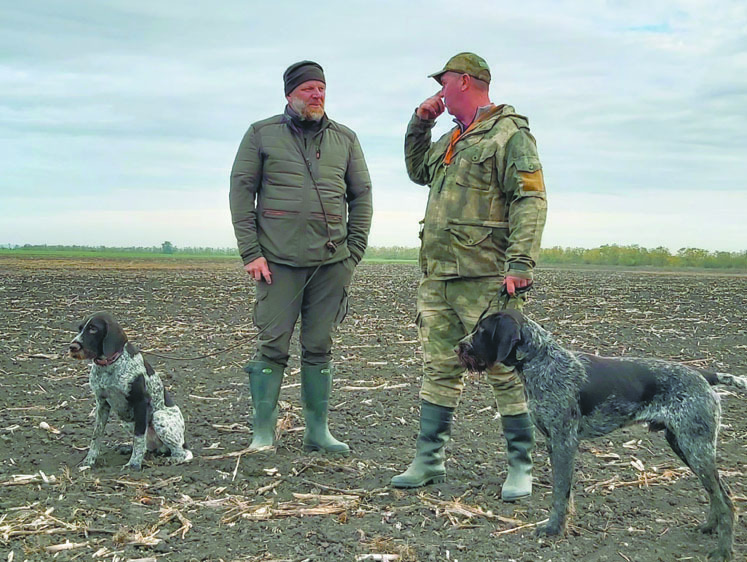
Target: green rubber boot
(519, 434)
(265, 380)
(428, 465)
(316, 385)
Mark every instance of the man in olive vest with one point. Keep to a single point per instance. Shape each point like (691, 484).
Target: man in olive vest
(301, 208)
(480, 242)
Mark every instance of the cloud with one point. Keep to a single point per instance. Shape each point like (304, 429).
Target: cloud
(122, 102)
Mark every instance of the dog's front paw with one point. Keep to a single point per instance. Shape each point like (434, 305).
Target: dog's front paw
(184, 456)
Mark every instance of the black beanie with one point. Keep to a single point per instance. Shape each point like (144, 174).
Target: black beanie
(301, 72)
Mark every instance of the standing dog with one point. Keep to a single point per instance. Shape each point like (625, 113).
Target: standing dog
(574, 396)
(122, 380)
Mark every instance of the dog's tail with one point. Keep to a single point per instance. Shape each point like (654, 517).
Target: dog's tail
(726, 379)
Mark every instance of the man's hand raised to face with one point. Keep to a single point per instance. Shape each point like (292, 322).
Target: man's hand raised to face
(431, 107)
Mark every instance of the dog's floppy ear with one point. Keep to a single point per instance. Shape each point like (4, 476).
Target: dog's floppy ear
(115, 338)
(506, 334)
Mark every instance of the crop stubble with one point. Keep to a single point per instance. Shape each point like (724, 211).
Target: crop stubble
(634, 501)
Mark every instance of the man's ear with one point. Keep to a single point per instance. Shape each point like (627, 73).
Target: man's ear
(466, 80)
(506, 334)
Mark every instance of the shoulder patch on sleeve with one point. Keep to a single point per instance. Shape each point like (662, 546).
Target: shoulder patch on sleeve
(532, 181)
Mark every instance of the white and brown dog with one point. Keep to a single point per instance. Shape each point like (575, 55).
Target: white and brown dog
(122, 380)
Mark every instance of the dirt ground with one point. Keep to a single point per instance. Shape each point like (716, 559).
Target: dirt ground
(634, 500)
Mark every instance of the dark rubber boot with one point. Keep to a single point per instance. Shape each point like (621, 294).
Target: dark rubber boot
(519, 434)
(316, 385)
(265, 380)
(428, 465)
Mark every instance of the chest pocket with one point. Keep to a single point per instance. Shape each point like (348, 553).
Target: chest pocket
(475, 167)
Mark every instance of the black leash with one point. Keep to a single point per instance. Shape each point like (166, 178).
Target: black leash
(505, 297)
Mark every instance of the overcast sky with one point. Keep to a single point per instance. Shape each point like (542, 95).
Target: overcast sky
(120, 119)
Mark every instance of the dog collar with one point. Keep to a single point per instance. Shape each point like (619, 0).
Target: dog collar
(108, 360)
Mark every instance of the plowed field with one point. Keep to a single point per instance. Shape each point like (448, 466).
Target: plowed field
(633, 499)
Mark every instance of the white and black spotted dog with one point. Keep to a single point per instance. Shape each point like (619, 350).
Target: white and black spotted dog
(574, 396)
(123, 381)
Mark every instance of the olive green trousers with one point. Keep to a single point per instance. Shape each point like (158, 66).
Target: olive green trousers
(322, 306)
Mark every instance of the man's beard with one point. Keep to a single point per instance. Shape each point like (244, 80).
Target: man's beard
(305, 111)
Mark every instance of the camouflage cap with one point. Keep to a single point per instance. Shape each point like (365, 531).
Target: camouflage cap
(465, 63)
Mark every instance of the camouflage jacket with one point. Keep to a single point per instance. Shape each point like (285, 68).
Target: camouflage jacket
(276, 210)
(486, 209)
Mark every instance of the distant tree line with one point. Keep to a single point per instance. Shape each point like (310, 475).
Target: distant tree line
(636, 256)
(629, 256)
(165, 248)
(392, 253)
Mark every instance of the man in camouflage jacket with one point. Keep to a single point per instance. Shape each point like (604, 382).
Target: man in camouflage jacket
(480, 238)
(301, 208)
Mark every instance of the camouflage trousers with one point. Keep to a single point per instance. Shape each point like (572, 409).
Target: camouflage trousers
(447, 312)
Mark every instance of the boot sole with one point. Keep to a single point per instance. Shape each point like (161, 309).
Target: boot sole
(514, 498)
(316, 449)
(438, 479)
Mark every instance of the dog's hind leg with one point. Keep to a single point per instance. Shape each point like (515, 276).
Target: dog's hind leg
(169, 426)
(564, 444)
(672, 440)
(698, 451)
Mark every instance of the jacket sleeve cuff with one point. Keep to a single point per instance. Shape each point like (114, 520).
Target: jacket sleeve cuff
(249, 257)
(520, 270)
(420, 122)
(356, 254)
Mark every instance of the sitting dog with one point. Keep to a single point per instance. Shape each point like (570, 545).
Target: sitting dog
(574, 396)
(122, 380)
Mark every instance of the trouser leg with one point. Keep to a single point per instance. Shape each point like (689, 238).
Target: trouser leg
(439, 330)
(448, 310)
(518, 429)
(276, 311)
(323, 307)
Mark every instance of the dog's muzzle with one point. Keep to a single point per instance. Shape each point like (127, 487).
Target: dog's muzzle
(76, 351)
(465, 353)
